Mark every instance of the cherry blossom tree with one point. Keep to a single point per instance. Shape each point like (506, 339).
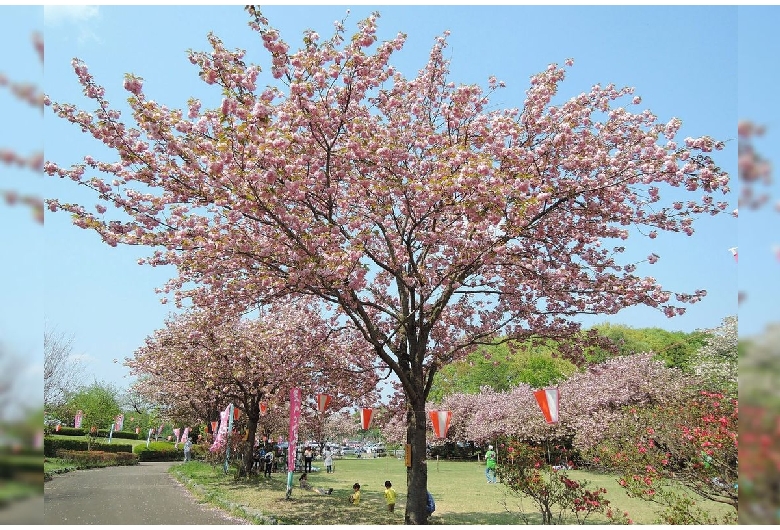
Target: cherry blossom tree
(203, 363)
(589, 400)
(427, 220)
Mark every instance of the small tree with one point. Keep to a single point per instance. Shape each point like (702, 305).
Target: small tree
(100, 403)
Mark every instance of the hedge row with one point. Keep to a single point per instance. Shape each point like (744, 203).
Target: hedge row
(165, 452)
(51, 445)
(97, 458)
(102, 433)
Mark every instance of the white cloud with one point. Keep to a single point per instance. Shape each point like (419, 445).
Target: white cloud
(57, 15)
(77, 19)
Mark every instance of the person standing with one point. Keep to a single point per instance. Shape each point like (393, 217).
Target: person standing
(390, 496)
(188, 449)
(308, 455)
(269, 464)
(490, 465)
(328, 460)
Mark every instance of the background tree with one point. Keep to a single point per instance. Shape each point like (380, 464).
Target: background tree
(675, 347)
(500, 369)
(428, 221)
(201, 362)
(717, 361)
(100, 402)
(589, 400)
(62, 370)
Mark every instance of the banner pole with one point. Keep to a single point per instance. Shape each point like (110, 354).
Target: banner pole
(229, 433)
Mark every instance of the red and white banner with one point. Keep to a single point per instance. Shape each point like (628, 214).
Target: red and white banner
(263, 408)
(323, 400)
(548, 402)
(366, 415)
(214, 425)
(78, 419)
(184, 435)
(176, 435)
(236, 414)
(119, 422)
(295, 417)
(441, 422)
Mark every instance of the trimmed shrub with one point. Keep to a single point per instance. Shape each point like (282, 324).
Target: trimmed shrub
(70, 431)
(102, 433)
(86, 459)
(51, 445)
(159, 452)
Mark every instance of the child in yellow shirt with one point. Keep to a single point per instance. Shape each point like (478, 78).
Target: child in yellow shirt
(390, 496)
(355, 497)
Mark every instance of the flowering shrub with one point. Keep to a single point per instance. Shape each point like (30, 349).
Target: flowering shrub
(558, 498)
(693, 444)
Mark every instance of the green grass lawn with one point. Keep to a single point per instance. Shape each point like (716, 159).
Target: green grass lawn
(461, 492)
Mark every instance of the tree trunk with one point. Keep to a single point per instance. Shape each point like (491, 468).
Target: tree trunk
(417, 475)
(249, 450)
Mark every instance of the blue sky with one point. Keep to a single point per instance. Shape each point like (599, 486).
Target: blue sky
(683, 62)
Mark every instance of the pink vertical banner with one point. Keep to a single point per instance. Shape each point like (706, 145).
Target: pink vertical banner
(77, 419)
(119, 422)
(185, 435)
(295, 417)
(221, 434)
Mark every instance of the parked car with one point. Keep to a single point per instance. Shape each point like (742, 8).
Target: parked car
(377, 449)
(348, 451)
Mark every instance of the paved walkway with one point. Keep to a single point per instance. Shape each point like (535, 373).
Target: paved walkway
(127, 495)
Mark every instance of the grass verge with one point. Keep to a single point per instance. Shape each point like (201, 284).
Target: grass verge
(460, 489)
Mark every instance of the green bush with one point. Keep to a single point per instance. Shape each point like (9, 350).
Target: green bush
(51, 445)
(70, 431)
(159, 452)
(102, 433)
(128, 435)
(166, 452)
